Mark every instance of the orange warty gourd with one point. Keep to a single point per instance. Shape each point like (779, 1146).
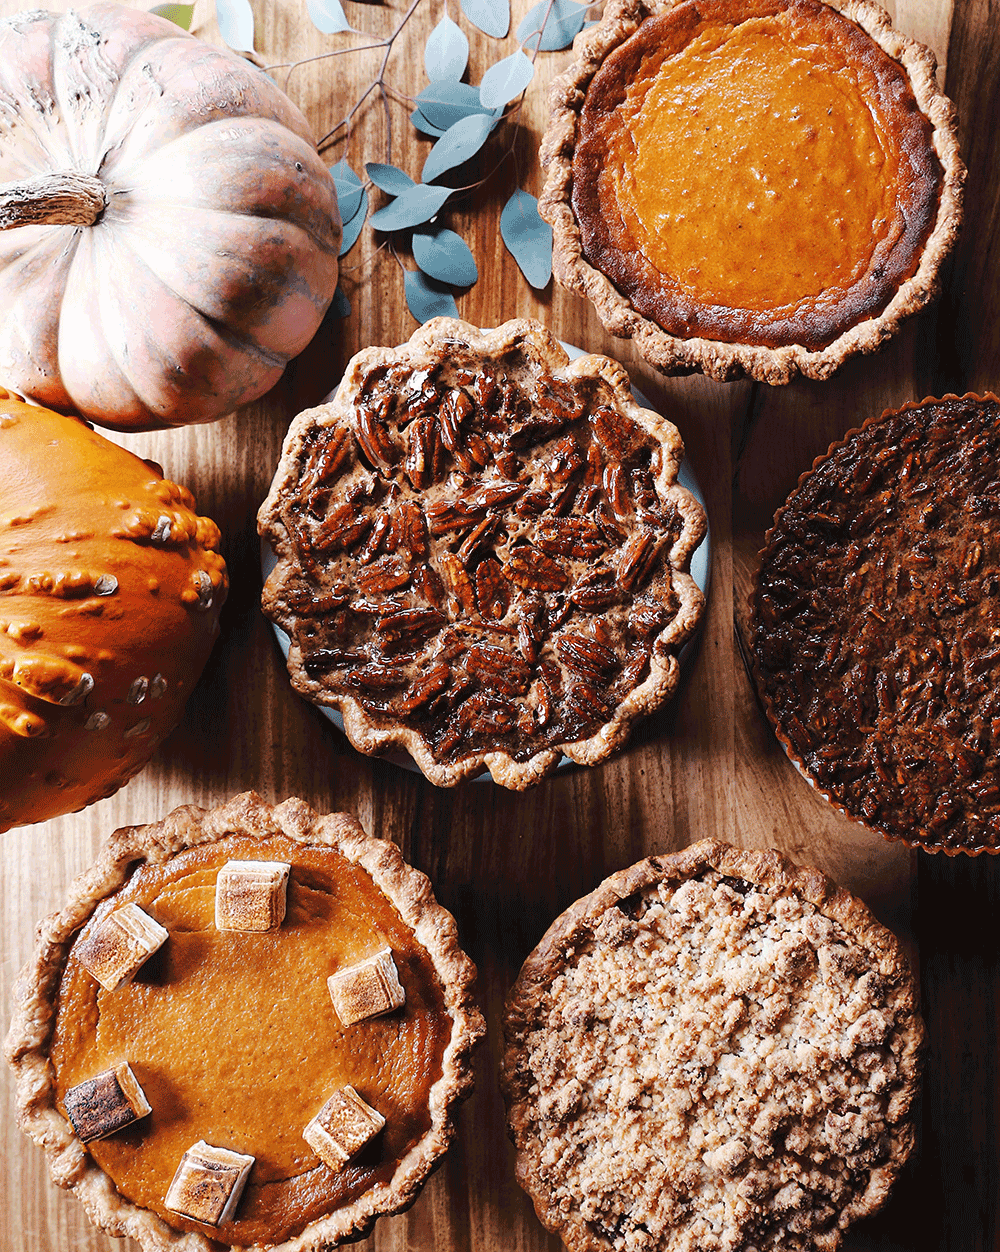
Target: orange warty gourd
(110, 590)
(168, 233)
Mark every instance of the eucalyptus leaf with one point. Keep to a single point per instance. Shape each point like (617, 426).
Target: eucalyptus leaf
(349, 188)
(352, 228)
(492, 17)
(424, 126)
(426, 299)
(416, 205)
(528, 238)
(445, 103)
(328, 16)
(235, 18)
(179, 14)
(446, 53)
(564, 22)
(506, 80)
(388, 177)
(443, 255)
(458, 144)
(341, 306)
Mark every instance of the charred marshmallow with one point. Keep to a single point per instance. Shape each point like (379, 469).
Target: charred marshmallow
(343, 1126)
(208, 1183)
(115, 951)
(368, 989)
(250, 895)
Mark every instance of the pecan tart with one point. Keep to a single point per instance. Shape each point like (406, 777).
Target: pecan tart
(751, 187)
(876, 628)
(715, 1051)
(483, 553)
(247, 1027)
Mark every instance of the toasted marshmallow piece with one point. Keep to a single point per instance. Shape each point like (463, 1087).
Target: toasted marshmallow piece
(342, 1127)
(120, 946)
(208, 1183)
(368, 989)
(107, 1102)
(250, 895)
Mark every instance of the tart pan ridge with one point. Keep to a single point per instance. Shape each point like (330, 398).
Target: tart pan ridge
(768, 702)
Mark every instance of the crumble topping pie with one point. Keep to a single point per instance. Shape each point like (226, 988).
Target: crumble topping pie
(715, 1051)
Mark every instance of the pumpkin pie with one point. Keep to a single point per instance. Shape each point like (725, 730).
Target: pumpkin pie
(483, 553)
(715, 1050)
(751, 187)
(220, 1091)
(875, 627)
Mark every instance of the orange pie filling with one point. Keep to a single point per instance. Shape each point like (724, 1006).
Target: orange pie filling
(755, 173)
(234, 1039)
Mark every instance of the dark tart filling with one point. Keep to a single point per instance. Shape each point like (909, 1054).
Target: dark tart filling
(876, 624)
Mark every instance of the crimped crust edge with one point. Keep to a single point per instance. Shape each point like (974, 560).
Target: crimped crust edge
(36, 990)
(720, 360)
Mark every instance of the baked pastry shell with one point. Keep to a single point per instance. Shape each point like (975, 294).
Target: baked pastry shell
(722, 360)
(422, 349)
(572, 928)
(766, 701)
(36, 1000)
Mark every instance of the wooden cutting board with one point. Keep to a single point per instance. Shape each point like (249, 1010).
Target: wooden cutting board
(506, 864)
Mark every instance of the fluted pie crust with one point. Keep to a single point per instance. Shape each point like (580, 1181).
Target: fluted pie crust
(483, 553)
(689, 312)
(715, 1049)
(176, 859)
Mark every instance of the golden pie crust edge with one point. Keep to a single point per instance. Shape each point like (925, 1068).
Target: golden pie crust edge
(36, 1002)
(425, 348)
(719, 360)
(765, 868)
(770, 538)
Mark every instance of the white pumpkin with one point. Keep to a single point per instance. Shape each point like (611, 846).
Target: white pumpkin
(170, 235)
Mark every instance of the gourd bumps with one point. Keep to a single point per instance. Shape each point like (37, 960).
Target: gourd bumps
(168, 234)
(110, 590)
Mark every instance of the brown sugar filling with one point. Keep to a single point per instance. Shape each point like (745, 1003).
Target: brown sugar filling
(483, 554)
(877, 627)
(754, 173)
(234, 1039)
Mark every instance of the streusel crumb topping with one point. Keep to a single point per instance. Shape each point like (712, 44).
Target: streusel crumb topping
(715, 1069)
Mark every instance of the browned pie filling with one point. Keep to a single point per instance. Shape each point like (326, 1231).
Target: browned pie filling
(480, 553)
(234, 1040)
(754, 172)
(876, 625)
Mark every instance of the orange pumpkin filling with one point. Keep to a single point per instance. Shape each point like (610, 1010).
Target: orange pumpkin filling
(234, 1039)
(754, 173)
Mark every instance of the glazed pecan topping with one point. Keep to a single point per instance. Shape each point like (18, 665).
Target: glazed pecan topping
(480, 552)
(877, 628)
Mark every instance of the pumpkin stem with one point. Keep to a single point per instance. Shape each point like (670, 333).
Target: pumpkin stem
(67, 198)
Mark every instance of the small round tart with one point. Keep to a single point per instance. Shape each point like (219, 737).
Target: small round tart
(483, 553)
(339, 1095)
(876, 628)
(714, 1051)
(758, 187)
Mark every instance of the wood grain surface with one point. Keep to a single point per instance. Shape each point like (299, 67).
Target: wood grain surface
(505, 863)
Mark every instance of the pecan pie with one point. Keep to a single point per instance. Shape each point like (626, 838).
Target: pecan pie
(221, 1097)
(483, 553)
(715, 1051)
(876, 627)
(755, 187)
